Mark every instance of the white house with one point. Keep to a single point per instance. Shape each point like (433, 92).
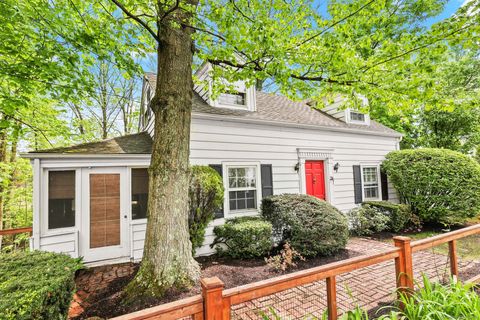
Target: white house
(90, 199)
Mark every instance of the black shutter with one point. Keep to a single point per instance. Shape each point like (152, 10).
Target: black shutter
(384, 181)
(218, 167)
(267, 180)
(357, 184)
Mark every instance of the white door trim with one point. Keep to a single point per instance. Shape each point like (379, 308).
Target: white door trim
(325, 155)
(110, 252)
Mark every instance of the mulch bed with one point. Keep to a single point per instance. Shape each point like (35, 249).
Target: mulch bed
(107, 301)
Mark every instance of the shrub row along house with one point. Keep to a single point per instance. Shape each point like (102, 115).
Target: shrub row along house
(90, 199)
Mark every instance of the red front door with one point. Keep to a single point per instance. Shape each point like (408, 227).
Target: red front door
(315, 178)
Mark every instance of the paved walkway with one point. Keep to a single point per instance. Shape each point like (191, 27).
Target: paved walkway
(368, 287)
(96, 280)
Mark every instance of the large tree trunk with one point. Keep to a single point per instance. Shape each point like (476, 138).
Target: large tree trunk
(167, 258)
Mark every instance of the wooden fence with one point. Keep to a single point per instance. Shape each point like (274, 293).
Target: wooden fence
(6, 232)
(215, 303)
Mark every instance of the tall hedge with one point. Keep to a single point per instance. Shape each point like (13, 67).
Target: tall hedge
(311, 226)
(205, 197)
(441, 186)
(36, 285)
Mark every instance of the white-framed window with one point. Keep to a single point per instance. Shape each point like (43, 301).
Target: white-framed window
(242, 187)
(371, 182)
(61, 199)
(357, 117)
(232, 99)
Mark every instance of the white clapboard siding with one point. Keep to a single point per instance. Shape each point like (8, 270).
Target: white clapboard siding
(138, 240)
(61, 243)
(213, 142)
(217, 141)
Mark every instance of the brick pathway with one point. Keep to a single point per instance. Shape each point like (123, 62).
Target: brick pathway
(368, 288)
(95, 280)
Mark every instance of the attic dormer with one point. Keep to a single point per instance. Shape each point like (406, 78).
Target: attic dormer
(239, 96)
(335, 108)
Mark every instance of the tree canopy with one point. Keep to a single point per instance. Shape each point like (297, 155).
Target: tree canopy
(384, 50)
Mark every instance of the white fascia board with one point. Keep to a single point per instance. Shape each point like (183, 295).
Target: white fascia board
(83, 156)
(201, 115)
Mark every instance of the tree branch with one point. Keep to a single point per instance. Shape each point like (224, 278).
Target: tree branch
(137, 19)
(333, 24)
(172, 9)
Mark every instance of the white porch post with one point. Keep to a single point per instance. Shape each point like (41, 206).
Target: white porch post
(36, 203)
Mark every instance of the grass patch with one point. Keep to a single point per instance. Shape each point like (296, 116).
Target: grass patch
(467, 248)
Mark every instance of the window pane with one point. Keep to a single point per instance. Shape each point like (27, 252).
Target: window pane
(371, 192)
(357, 116)
(242, 177)
(241, 200)
(139, 193)
(370, 176)
(61, 199)
(232, 98)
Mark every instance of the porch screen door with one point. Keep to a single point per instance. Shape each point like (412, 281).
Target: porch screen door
(104, 210)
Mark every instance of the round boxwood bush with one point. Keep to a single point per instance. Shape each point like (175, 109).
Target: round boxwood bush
(311, 226)
(441, 186)
(243, 238)
(205, 197)
(367, 220)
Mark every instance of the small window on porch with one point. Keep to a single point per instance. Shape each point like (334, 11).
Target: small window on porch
(61, 199)
(139, 193)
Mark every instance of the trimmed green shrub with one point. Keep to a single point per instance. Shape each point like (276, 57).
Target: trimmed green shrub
(441, 186)
(205, 197)
(36, 285)
(243, 238)
(311, 226)
(400, 216)
(366, 220)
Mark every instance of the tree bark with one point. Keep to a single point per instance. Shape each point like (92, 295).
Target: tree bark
(167, 259)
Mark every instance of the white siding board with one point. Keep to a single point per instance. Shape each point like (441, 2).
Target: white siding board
(60, 243)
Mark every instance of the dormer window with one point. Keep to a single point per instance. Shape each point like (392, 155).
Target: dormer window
(232, 99)
(357, 116)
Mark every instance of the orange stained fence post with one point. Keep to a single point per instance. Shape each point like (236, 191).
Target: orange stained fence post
(404, 264)
(332, 298)
(452, 248)
(212, 289)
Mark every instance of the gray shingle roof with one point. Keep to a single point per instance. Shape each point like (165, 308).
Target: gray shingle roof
(271, 107)
(139, 143)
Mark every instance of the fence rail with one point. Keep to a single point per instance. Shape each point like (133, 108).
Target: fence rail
(215, 303)
(15, 231)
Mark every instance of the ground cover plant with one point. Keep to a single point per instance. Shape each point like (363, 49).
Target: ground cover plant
(311, 226)
(441, 186)
(36, 285)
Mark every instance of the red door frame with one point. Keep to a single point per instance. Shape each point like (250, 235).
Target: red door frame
(315, 178)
